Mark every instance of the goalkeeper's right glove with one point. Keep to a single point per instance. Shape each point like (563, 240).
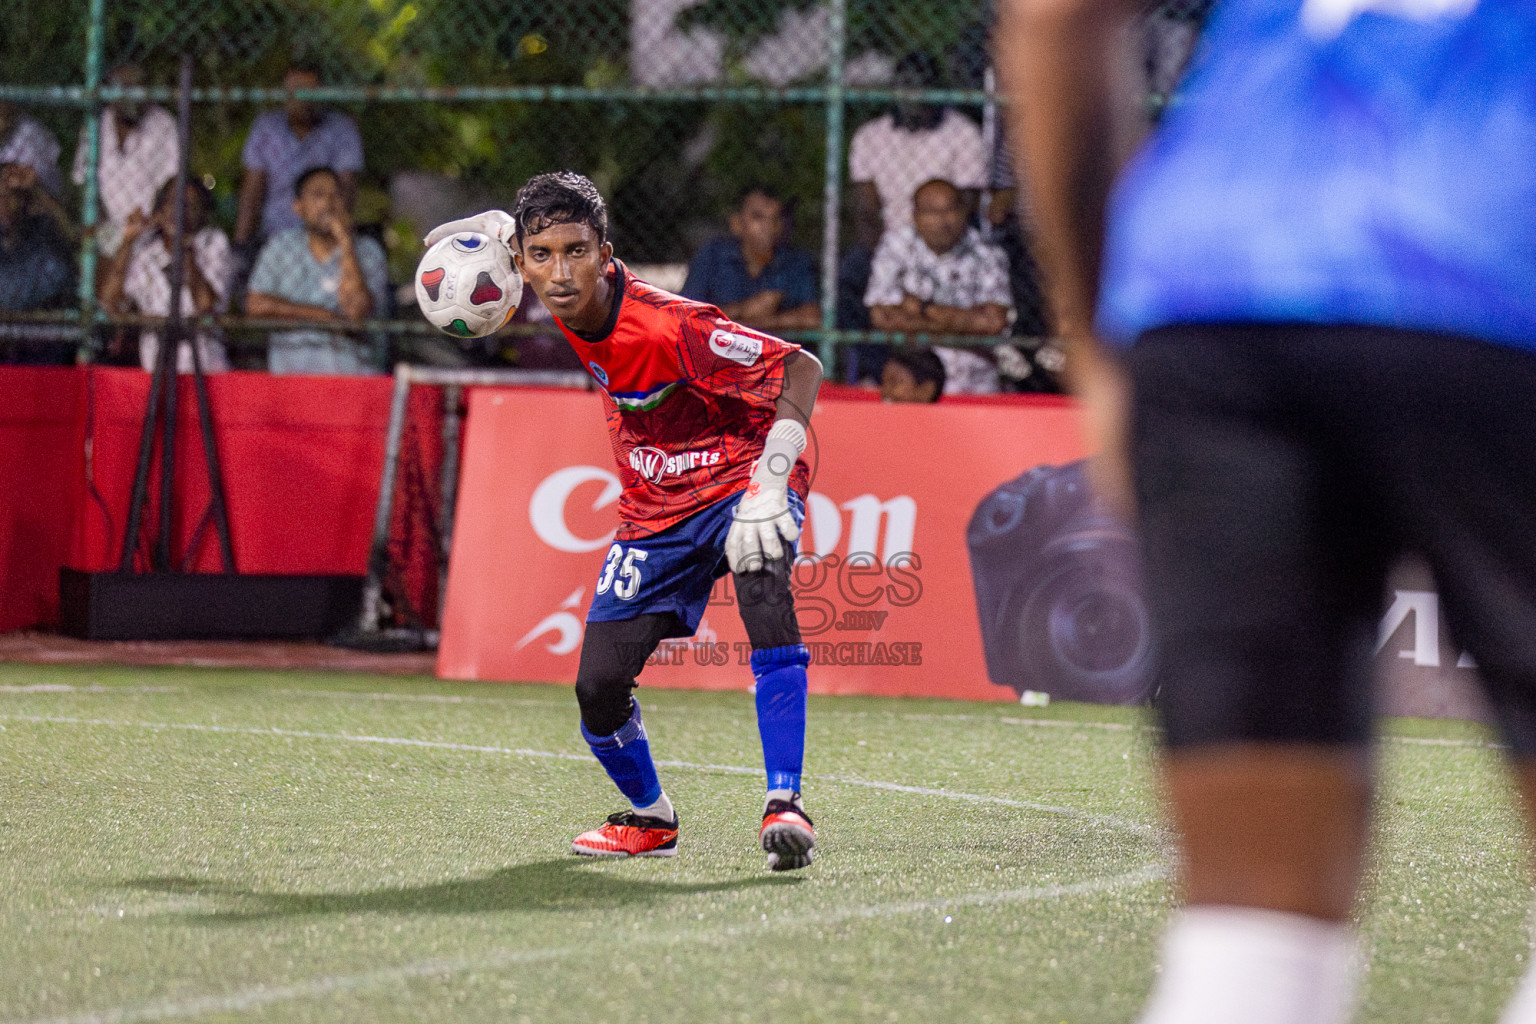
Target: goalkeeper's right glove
(496, 223)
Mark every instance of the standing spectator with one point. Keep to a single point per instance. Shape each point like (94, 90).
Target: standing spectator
(35, 269)
(888, 159)
(916, 142)
(138, 279)
(937, 276)
(24, 141)
(912, 374)
(323, 271)
(139, 154)
(283, 144)
(752, 275)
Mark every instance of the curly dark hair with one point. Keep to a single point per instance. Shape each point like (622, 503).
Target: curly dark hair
(564, 197)
(923, 364)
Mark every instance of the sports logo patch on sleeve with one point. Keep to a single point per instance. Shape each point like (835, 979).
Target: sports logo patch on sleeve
(738, 348)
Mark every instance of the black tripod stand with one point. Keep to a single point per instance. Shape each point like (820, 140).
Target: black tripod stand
(160, 413)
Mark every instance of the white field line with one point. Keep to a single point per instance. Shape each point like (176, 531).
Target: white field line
(303, 734)
(726, 769)
(435, 698)
(66, 688)
(257, 996)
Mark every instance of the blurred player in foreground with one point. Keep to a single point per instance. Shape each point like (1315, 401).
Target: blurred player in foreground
(1316, 290)
(708, 422)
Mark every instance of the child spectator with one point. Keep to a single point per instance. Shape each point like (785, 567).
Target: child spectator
(912, 374)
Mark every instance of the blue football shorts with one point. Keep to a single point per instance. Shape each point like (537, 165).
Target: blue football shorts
(671, 571)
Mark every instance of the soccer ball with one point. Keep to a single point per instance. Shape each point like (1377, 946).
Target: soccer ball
(467, 286)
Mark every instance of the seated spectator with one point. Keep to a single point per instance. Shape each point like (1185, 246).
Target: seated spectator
(38, 201)
(325, 272)
(284, 144)
(35, 265)
(912, 374)
(139, 152)
(752, 275)
(138, 278)
(36, 271)
(24, 141)
(936, 276)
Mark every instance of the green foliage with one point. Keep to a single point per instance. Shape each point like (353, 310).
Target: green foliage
(892, 27)
(780, 146)
(631, 149)
(43, 43)
(670, 170)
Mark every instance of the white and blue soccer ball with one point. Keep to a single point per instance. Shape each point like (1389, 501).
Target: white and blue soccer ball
(467, 286)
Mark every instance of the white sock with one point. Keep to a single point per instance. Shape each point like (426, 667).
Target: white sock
(661, 810)
(1522, 1008)
(787, 795)
(1225, 965)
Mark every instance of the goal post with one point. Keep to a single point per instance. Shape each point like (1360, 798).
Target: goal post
(380, 624)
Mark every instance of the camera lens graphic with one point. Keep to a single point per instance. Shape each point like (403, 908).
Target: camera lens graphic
(1058, 591)
(1096, 632)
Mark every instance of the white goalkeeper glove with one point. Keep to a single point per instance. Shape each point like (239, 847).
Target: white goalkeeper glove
(496, 223)
(762, 516)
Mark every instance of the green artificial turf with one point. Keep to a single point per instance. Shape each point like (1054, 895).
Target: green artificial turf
(180, 844)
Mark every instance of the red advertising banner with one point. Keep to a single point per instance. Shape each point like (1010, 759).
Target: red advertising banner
(891, 590)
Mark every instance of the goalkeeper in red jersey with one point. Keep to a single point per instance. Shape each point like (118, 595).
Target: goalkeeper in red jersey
(708, 424)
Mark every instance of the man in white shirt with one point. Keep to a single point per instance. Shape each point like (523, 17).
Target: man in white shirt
(139, 153)
(936, 276)
(888, 159)
(916, 142)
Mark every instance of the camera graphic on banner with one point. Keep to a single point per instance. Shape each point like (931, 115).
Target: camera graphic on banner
(1059, 591)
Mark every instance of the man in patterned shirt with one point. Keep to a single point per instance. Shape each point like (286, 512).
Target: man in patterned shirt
(707, 419)
(937, 276)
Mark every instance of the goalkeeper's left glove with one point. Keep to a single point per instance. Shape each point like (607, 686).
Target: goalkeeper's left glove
(762, 516)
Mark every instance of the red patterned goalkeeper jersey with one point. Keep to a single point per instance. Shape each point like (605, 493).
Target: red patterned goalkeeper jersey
(692, 393)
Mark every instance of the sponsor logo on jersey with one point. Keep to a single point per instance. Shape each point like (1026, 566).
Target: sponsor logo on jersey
(653, 464)
(738, 348)
(431, 280)
(598, 372)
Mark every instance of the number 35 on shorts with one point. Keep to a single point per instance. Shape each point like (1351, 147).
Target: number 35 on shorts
(622, 572)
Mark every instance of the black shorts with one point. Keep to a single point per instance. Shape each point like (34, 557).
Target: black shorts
(1281, 470)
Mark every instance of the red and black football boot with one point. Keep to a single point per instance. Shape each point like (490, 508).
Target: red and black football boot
(627, 834)
(787, 835)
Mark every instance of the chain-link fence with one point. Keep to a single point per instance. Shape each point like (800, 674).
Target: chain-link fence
(834, 111)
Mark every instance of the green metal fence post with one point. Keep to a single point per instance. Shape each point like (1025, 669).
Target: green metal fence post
(837, 31)
(94, 36)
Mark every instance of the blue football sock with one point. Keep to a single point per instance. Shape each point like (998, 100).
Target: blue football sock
(781, 683)
(626, 757)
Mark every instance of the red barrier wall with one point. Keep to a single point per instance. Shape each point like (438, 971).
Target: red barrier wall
(301, 459)
(41, 459)
(537, 513)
